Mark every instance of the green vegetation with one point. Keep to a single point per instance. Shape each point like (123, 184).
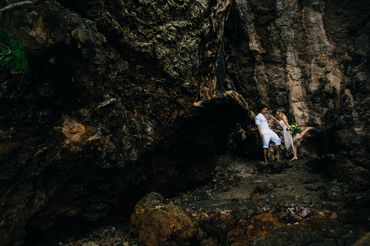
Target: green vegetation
(294, 129)
(12, 55)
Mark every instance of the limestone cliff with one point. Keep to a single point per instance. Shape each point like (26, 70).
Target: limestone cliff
(312, 58)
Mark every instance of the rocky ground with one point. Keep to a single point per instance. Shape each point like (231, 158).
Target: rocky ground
(285, 203)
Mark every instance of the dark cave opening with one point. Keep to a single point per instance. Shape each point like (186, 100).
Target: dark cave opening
(187, 156)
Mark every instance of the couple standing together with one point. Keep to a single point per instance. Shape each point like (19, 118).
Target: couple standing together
(267, 134)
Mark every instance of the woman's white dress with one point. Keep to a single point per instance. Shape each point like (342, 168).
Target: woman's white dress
(288, 139)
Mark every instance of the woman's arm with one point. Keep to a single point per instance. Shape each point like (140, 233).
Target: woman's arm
(274, 119)
(285, 119)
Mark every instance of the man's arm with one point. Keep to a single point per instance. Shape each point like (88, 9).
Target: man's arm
(259, 130)
(258, 122)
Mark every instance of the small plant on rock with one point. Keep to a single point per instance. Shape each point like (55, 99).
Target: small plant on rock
(12, 55)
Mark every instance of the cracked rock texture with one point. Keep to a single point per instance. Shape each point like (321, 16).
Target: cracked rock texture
(106, 112)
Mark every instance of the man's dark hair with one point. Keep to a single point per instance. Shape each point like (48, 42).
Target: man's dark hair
(262, 107)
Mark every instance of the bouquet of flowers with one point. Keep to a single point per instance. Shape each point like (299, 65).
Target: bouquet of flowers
(294, 129)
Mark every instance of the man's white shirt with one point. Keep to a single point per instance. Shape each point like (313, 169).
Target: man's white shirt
(262, 122)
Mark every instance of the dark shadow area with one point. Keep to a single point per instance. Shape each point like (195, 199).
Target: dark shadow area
(240, 60)
(89, 197)
(47, 91)
(186, 158)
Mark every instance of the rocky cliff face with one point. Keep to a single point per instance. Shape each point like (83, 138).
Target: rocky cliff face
(106, 111)
(310, 57)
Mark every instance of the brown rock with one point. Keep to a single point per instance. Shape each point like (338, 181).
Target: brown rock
(158, 223)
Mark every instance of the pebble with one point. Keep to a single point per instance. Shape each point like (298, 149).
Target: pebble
(305, 212)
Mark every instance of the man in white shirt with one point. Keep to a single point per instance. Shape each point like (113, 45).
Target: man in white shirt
(267, 134)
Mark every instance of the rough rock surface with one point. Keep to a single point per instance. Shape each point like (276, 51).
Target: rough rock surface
(158, 222)
(243, 206)
(310, 57)
(106, 112)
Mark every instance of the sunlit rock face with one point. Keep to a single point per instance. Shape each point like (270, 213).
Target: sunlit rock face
(310, 57)
(112, 83)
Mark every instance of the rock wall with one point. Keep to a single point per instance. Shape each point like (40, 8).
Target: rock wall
(112, 83)
(84, 132)
(311, 57)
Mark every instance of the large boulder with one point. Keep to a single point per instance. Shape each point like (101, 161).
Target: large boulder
(158, 222)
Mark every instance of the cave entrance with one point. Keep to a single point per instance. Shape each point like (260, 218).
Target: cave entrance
(187, 157)
(184, 159)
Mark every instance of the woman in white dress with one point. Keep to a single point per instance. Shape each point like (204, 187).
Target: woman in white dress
(289, 140)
